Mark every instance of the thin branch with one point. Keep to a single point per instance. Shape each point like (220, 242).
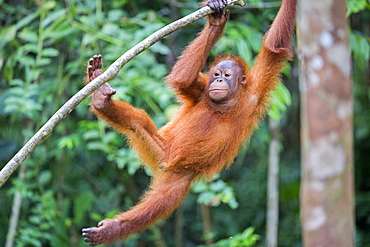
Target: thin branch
(16, 209)
(260, 5)
(109, 74)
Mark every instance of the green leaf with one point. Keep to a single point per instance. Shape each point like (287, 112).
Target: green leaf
(110, 28)
(207, 197)
(217, 186)
(7, 34)
(50, 52)
(16, 83)
(27, 19)
(200, 187)
(233, 204)
(96, 146)
(109, 137)
(53, 16)
(44, 177)
(274, 113)
(244, 51)
(27, 61)
(355, 6)
(280, 99)
(245, 239)
(59, 29)
(81, 204)
(360, 48)
(160, 48)
(65, 142)
(115, 15)
(28, 35)
(88, 39)
(30, 47)
(91, 134)
(49, 5)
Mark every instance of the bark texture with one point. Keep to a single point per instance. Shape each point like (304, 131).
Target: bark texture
(272, 219)
(326, 115)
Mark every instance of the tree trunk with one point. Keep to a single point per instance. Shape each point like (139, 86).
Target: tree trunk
(326, 115)
(207, 227)
(179, 227)
(272, 219)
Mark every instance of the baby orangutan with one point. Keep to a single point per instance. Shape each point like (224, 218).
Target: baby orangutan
(219, 110)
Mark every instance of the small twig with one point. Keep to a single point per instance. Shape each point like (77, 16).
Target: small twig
(109, 74)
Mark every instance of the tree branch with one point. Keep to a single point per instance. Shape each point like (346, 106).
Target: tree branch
(109, 74)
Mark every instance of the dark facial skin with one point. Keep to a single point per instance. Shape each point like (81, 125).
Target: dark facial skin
(224, 80)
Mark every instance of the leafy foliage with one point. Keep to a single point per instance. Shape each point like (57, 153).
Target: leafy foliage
(215, 193)
(355, 6)
(244, 239)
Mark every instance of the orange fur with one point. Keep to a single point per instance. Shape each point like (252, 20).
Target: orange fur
(203, 138)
